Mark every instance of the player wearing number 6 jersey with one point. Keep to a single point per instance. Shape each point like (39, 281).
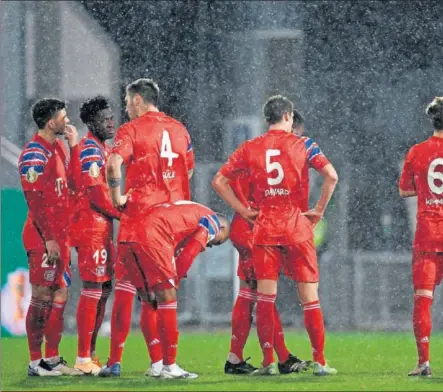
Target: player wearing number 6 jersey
(422, 176)
(92, 229)
(277, 164)
(157, 153)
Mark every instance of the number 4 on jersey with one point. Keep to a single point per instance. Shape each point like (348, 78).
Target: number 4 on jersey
(166, 148)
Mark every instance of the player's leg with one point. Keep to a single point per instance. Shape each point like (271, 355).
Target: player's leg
(124, 293)
(302, 267)
(287, 362)
(86, 319)
(241, 326)
(36, 320)
(267, 264)
(149, 327)
(425, 275)
(242, 313)
(168, 328)
(101, 308)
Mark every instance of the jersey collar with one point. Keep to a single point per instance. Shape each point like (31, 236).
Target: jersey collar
(51, 147)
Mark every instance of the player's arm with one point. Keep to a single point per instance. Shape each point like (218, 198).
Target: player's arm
(100, 200)
(317, 160)
(122, 152)
(187, 256)
(406, 186)
(221, 184)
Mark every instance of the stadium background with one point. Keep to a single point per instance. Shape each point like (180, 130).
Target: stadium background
(360, 72)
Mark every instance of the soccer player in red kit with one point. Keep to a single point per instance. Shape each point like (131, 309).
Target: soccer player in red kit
(43, 168)
(241, 237)
(159, 254)
(92, 229)
(422, 176)
(157, 152)
(278, 164)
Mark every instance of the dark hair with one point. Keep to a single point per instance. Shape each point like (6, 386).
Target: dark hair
(275, 108)
(45, 109)
(146, 88)
(91, 107)
(435, 111)
(298, 119)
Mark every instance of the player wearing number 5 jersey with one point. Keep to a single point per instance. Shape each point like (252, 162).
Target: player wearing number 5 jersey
(277, 164)
(157, 153)
(92, 229)
(422, 176)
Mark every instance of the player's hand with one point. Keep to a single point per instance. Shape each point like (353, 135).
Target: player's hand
(250, 215)
(314, 216)
(71, 135)
(124, 199)
(53, 250)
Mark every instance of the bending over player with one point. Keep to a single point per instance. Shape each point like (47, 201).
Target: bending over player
(182, 227)
(278, 164)
(422, 176)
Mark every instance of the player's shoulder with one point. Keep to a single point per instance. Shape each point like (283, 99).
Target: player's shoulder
(34, 146)
(88, 142)
(173, 121)
(418, 148)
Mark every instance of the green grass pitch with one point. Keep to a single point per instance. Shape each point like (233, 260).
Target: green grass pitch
(365, 361)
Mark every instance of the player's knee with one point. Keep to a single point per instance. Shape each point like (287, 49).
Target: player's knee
(107, 285)
(267, 287)
(164, 294)
(61, 295)
(307, 292)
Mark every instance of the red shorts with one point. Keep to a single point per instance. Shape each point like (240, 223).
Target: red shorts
(42, 274)
(298, 262)
(427, 270)
(146, 266)
(96, 262)
(245, 270)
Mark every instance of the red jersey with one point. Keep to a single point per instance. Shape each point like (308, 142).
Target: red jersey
(423, 173)
(93, 210)
(158, 155)
(277, 164)
(43, 172)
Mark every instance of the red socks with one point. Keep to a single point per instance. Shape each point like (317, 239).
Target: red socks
(265, 326)
(101, 307)
(316, 330)
(168, 329)
(149, 327)
(86, 319)
(241, 321)
(279, 338)
(120, 319)
(422, 322)
(54, 329)
(36, 319)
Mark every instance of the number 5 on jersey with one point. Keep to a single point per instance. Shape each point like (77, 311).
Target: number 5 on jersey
(272, 166)
(166, 149)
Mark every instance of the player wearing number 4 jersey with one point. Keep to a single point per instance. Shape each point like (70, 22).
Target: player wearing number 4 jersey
(43, 167)
(277, 164)
(92, 229)
(422, 176)
(157, 153)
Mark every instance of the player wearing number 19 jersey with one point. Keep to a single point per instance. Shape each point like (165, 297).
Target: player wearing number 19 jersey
(422, 176)
(157, 153)
(277, 164)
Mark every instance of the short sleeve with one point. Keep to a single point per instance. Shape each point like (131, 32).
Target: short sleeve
(190, 154)
(124, 143)
(406, 182)
(314, 155)
(33, 168)
(236, 164)
(92, 163)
